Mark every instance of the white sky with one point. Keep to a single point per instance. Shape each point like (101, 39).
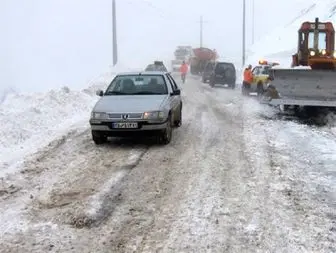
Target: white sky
(51, 43)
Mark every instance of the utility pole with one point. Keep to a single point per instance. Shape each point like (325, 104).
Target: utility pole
(114, 34)
(201, 31)
(244, 21)
(253, 21)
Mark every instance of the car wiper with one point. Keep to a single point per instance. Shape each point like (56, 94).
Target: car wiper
(147, 93)
(115, 93)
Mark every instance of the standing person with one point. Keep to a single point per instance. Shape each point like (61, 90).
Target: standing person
(183, 70)
(248, 79)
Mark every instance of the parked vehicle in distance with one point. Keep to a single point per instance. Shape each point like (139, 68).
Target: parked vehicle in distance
(146, 103)
(223, 73)
(200, 57)
(261, 76)
(157, 66)
(175, 65)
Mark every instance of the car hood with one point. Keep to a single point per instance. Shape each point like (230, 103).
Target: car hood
(130, 103)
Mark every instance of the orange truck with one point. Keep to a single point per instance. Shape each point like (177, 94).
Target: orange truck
(199, 58)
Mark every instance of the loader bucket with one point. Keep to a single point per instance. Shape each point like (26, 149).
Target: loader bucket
(315, 87)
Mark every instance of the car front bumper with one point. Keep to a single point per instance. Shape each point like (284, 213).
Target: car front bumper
(219, 80)
(144, 128)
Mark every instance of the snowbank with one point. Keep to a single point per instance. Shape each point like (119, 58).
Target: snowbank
(30, 121)
(281, 43)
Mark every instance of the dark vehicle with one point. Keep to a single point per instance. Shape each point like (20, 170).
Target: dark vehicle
(157, 66)
(209, 68)
(224, 73)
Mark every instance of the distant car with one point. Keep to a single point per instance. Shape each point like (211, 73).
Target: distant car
(157, 66)
(261, 76)
(146, 103)
(175, 65)
(223, 73)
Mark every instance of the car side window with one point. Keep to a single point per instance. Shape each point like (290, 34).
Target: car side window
(171, 79)
(256, 71)
(170, 82)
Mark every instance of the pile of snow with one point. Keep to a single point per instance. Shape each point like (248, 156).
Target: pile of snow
(281, 43)
(31, 121)
(4, 92)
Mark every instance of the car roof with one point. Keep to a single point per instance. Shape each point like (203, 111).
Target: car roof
(143, 73)
(218, 62)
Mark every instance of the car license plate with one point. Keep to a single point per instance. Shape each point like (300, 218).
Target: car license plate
(125, 125)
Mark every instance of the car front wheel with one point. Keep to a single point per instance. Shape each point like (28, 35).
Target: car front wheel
(98, 138)
(166, 135)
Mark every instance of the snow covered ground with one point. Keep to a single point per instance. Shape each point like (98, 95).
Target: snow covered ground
(235, 178)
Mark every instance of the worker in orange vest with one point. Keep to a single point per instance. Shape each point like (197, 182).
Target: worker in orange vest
(183, 70)
(248, 79)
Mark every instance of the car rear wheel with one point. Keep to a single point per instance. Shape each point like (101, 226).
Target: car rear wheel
(166, 135)
(178, 122)
(98, 138)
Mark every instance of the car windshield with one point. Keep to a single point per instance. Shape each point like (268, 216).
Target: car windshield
(137, 85)
(223, 67)
(265, 71)
(181, 52)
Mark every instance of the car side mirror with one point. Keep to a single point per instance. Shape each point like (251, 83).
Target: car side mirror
(100, 93)
(176, 93)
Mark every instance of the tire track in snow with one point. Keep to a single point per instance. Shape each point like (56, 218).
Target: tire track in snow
(101, 205)
(69, 176)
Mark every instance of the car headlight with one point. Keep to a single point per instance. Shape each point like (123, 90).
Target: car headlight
(154, 115)
(98, 115)
(312, 53)
(324, 52)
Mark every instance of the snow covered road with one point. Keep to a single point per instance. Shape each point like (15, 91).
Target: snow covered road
(230, 181)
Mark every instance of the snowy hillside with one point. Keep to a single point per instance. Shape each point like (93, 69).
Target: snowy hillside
(30, 121)
(279, 44)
